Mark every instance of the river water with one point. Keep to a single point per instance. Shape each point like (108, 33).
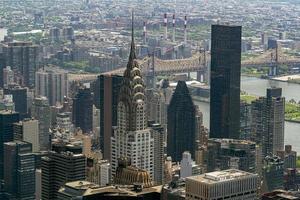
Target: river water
(258, 87)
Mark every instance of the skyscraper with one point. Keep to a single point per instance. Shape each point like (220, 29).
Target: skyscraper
(273, 173)
(7, 118)
(24, 58)
(19, 97)
(41, 112)
(59, 168)
(28, 130)
(132, 138)
(158, 134)
(19, 170)
(268, 121)
(52, 82)
(225, 81)
(83, 110)
(106, 93)
(181, 123)
(2, 66)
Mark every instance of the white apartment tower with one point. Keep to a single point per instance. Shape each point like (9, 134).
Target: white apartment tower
(132, 137)
(52, 83)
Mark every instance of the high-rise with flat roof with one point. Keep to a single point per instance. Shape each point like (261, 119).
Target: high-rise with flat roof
(225, 81)
(83, 110)
(268, 121)
(19, 95)
(25, 59)
(28, 130)
(106, 93)
(59, 168)
(19, 170)
(52, 82)
(228, 184)
(41, 112)
(7, 118)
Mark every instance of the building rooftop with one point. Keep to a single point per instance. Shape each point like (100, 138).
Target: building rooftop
(220, 176)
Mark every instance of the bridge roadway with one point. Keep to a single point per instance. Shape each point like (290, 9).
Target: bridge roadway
(199, 62)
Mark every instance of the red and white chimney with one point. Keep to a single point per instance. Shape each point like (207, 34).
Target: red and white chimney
(174, 28)
(185, 31)
(145, 33)
(166, 26)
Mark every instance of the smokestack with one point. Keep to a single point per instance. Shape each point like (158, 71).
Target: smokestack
(166, 26)
(174, 29)
(145, 33)
(185, 31)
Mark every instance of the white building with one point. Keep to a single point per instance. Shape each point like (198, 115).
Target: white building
(63, 121)
(100, 173)
(8, 76)
(31, 133)
(228, 184)
(132, 138)
(188, 167)
(52, 82)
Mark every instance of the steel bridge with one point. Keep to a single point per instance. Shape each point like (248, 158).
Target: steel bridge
(200, 61)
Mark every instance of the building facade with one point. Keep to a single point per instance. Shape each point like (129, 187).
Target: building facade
(41, 112)
(181, 128)
(83, 110)
(52, 82)
(225, 81)
(59, 168)
(7, 118)
(132, 138)
(19, 170)
(228, 184)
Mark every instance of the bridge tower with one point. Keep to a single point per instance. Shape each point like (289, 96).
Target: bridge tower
(150, 73)
(202, 75)
(273, 69)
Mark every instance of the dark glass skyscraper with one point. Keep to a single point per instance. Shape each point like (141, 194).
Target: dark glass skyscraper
(106, 99)
(225, 81)
(83, 110)
(7, 118)
(181, 123)
(19, 170)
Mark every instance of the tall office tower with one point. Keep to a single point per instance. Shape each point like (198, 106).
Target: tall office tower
(225, 81)
(245, 121)
(228, 184)
(52, 82)
(273, 174)
(288, 156)
(41, 112)
(106, 95)
(25, 59)
(28, 131)
(158, 134)
(8, 76)
(181, 123)
(7, 118)
(59, 168)
(2, 66)
(268, 121)
(132, 138)
(19, 170)
(231, 154)
(155, 106)
(20, 99)
(83, 110)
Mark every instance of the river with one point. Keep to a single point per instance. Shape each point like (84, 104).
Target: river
(258, 87)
